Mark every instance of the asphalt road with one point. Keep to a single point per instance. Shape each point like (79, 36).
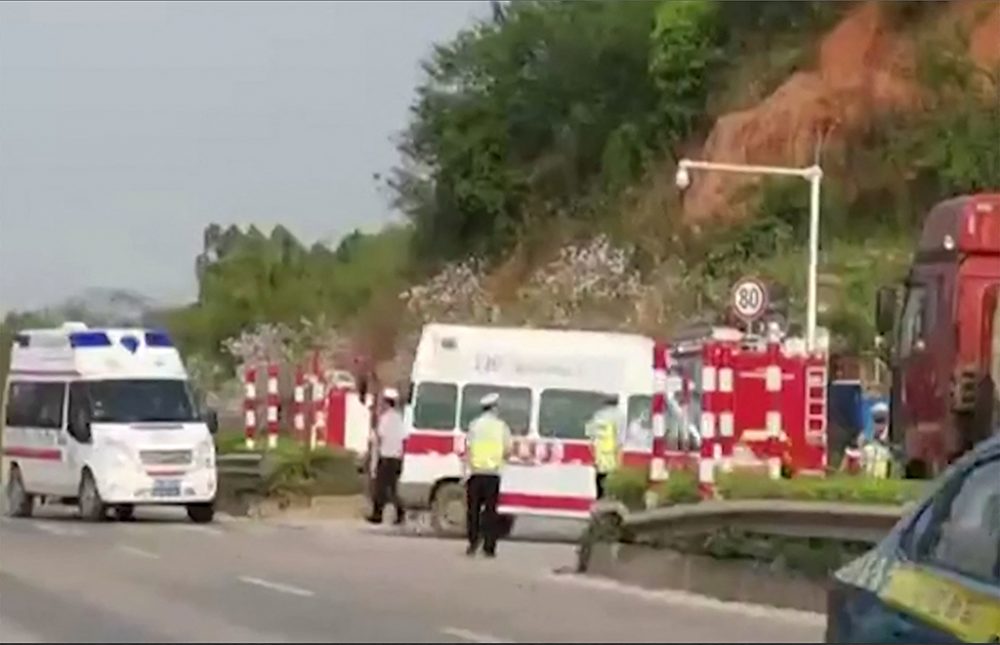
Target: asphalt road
(162, 579)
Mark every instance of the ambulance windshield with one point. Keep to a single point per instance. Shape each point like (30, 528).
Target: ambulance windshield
(135, 401)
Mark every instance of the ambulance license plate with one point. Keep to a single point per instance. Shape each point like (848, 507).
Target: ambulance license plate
(166, 488)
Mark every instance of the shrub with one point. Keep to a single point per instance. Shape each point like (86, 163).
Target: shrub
(835, 488)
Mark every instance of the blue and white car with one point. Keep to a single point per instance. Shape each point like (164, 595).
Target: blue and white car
(936, 577)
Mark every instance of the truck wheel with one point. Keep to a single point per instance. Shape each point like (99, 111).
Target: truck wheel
(125, 512)
(916, 469)
(92, 507)
(448, 510)
(201, 513)
(20, 503)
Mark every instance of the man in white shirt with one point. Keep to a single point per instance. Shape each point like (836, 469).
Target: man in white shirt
(390, 434)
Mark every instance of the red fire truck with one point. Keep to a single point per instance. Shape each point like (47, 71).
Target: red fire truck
(945, 358)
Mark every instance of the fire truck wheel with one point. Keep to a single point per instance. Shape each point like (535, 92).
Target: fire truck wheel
(448, 510)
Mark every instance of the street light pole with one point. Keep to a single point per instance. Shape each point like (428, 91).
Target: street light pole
(814, 175)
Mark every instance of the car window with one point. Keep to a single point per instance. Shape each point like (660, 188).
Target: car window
(964, 535)
(436, 406)
(564, 413)
(514, 407)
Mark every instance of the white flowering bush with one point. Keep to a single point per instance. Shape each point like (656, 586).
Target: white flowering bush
(264, 343)
(591, 285)
(455, 294)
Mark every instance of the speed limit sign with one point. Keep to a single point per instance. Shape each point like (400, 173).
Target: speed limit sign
(749, 299)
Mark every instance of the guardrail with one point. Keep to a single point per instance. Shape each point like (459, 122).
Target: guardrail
(654, 548)
(242, 477)
(830, 520)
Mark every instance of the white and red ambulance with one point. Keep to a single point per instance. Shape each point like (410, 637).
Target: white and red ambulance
(550, 382)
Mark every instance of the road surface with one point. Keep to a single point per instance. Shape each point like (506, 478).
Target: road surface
(162, 579)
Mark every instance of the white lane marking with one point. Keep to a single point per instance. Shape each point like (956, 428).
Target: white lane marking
(693, 600)
(136, 551)
(204, 530)
(473, 637)
(55, 529)
(277, 586)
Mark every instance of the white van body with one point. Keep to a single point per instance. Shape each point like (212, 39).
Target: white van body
(550, 382)
(147, 443)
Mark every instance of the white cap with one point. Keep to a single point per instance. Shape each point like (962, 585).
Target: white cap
(390, 393)
(879, 407)
(489, 400)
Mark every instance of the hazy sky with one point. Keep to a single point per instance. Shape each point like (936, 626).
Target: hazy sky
(125, 128)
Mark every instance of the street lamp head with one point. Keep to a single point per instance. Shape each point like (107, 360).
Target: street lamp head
(683, 177)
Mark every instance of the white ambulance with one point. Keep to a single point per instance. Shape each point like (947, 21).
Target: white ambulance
(550, 383)
(104, 419)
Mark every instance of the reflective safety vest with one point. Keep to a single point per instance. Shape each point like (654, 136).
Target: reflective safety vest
(605, 445)
(486, 444)
(875, 460)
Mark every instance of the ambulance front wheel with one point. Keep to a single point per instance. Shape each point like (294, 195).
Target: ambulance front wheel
(448, 510)
(201, 513)
(92, 507)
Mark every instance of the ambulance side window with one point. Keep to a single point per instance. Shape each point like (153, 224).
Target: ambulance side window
(436, 406)
(18, 404)
(514, 407)
(36, 405)
(640, 411)
(564, 414)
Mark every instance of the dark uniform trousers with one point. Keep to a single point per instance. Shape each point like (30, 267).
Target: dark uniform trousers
(386, 487)
(482, 493)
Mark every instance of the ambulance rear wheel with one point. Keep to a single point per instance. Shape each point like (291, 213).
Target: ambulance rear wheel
(92, 507)
(506, 525)
(448, 510)
(20, 503)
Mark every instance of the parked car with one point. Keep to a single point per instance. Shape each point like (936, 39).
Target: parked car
(936, 577)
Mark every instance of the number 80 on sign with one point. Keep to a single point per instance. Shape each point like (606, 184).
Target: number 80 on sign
(749, 299)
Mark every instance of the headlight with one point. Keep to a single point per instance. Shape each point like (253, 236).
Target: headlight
(120, 452)
(204, 454)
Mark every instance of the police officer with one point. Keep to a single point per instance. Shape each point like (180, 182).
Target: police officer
(488, 446)
(390, 433)
(605, 430)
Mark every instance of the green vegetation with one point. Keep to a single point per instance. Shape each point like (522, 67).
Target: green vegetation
(629, 487)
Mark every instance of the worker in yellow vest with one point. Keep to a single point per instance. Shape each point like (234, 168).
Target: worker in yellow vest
(605, 430)
(876, 456)
(488, 447)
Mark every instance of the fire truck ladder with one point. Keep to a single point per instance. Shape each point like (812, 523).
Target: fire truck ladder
(816, 405)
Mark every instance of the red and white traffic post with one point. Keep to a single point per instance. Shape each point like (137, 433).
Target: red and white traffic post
(249, 407)
(773, 384)
(273, 401)
(707, 452)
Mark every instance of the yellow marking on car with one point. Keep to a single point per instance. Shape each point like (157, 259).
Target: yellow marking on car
(972, 616)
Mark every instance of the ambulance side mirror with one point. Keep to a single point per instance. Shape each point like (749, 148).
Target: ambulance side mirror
(212, 421)
(79, 427)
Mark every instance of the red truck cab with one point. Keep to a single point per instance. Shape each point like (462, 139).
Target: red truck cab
(946, 352)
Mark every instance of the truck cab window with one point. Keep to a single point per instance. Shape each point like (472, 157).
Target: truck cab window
(912, 324)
